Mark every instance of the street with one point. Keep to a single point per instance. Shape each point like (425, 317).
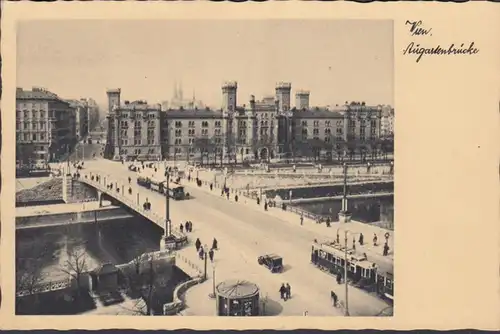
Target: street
(252, 233)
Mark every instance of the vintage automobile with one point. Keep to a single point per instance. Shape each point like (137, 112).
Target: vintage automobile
(272, 261)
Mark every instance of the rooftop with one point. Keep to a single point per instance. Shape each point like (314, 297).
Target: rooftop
(193, 113)
(36, 93)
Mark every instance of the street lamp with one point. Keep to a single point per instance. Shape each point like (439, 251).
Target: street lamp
(205, 258)
(346, 232)
(212, 294)
(344, 214)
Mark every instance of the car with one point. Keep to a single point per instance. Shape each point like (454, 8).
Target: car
(132, 168)
(272, 262)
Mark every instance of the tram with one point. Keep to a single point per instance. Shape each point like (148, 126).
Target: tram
(362, 273)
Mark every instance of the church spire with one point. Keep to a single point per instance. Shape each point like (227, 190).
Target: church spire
(175, 90)
(180, 91)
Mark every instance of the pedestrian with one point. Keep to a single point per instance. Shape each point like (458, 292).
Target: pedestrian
(190, 226)
(211, 255)
(201, 253)
(265, 206)
(197, 244)
(334, 298)
(288, 291)
(215, 244)
(182, 228)
(374, 239)
(211, 186)
(129, 180)
(227, 195)
(302, 219)
(222, 192)
(339, 278)
(386, 249)
(328, 222)
(282, 291)
(361, 239)
(353, 243)
(236, 198)
(258, 201)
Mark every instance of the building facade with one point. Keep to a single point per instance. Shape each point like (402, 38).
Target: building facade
(81, 117)
(262, 129)
(45, 127)
(387, 127)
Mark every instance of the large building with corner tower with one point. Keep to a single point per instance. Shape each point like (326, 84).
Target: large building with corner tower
(256, 130)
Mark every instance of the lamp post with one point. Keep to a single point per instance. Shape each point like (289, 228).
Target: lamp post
(205, 258)
(212, 294)
(345, 277)
(344, 214)
(167, 199)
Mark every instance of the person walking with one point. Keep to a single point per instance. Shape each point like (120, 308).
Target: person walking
(197, 244)
(201, 253)
(386, 249)
(265, 206)
(181, 227)
(374, 239)
(339, 278)
(215, 244)
(211, 186)
(361, 239)
(236, 198)
(288, 291)
(334, 298)
(211, 255)
(302, 219)
(282, 291)
(129, 180)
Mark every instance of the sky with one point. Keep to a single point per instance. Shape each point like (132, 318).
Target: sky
(336, 60)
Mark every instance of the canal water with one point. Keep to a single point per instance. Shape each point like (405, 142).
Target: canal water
(367, 210)
(117, 242)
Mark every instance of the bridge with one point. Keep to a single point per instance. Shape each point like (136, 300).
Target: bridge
(118, 194)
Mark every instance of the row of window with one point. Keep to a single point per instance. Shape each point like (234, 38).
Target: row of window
(138, 115)
(191, 124)
(31, 137)
(136, 151)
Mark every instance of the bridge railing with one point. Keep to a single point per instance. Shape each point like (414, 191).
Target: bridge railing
(45, 287)
(150, 215)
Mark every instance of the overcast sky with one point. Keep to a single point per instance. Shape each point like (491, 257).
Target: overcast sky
(336, 60)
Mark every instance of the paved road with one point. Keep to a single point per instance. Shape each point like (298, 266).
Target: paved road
(254, 233)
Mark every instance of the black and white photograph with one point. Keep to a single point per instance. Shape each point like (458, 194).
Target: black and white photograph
(205, 168)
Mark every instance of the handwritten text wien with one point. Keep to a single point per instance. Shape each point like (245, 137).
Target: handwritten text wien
(452, 50)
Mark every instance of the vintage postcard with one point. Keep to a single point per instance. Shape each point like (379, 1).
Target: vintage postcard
(248, 166)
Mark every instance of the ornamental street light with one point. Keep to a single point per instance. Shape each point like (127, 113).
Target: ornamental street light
(212, 294)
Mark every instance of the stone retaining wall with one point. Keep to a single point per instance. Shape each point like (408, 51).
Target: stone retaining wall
(178, 303)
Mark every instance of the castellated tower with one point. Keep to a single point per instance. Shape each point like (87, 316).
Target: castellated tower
(113, 98)
(283, 90)
(302, 99)
(229, 90)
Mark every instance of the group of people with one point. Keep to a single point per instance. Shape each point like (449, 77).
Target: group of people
(201, 251)
(285, 291)
(188, 225)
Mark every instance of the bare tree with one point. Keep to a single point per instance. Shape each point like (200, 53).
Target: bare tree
(76, 265)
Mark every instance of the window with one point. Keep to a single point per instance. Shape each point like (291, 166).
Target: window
(191, 132)
(204, 132)
(327, 139)
(26, 114)
(178, 133)
(178, 124)
(304, 123)
(178, 150)
(124, 124)
(316, 124)
(137, 124)
(123, 133)
(191, 141)
(218, 140)
(315, 132)
(304, 132)
(26, 126)
(151, 124)
(217, 132)
(178, 141)
(328, 131)
(34, 137)
(42, 125)
(327, 124)
(42, 114)
(217, 124)
(137, 141)
(191, 124)
(42, 136)
(204, 124)
(26, 137)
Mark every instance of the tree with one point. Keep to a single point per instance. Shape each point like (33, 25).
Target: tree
(31, 258)
(315, 145)
(202, 145)
(76, 265)
(149, 276)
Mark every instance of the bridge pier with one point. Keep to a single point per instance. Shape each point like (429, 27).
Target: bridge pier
(99, 197)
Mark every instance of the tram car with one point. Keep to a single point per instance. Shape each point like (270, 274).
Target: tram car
(144, 182)
(361, 272)
(157, 185)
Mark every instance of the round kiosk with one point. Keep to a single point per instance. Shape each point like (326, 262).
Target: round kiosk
(237, 298)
